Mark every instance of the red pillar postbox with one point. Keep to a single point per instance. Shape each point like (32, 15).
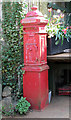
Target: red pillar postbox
(35, 79)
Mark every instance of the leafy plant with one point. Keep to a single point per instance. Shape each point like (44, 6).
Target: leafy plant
(10, 112)
(22, 106)
(63, 33)
(54, 22)
(55, 27)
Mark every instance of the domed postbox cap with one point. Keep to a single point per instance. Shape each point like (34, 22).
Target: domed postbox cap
(34, 12)
(34, 17)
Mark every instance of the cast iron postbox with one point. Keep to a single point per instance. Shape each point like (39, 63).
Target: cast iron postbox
(35, 79)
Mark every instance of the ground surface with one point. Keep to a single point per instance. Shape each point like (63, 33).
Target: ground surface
(58, 108)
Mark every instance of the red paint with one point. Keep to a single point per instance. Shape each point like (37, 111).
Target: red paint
(35, 79)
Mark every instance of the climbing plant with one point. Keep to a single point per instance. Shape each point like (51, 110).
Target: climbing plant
(12, 51)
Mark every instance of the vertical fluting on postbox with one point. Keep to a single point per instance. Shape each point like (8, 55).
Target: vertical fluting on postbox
(35, 79)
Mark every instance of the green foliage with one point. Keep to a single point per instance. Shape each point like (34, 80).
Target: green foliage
(56, 26)
(22, 106)
(12, 51)
(11, 112)
(54, 22)
(63, 33)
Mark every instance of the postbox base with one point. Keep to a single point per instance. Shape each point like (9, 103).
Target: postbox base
(35, 86)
